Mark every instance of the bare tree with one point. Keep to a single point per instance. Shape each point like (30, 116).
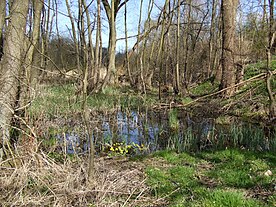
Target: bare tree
(111, 13)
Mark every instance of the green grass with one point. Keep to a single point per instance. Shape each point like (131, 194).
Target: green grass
(59, 100)
(212, 179)
(257, 68)
(204, 88)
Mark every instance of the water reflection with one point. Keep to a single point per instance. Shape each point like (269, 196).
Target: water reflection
(153, 129)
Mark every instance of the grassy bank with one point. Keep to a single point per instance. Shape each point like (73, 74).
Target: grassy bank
(227, 178)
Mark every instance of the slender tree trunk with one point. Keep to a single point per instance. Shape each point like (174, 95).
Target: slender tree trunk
(111, 12)
(187, 50)
(141, 82)
(75, 38)
(32, 51)
(271, 39)
(228, 9)
(126, 49)
(177, 79)
(47, 22)
(98, 43)
(11, 64)
(211, 54)
(60, 55)
(91, 57)
(2, 25)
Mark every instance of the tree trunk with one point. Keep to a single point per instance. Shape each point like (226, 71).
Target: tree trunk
(187, 50)
(211, 55)
(126, 49)
(91, 57)
(141, 82)
(111, 12)
(161, 47)
(32, 47)
(98, 45)
(271, 39)
(75, 39)
(228, 10)
(177, 79)
(111, 69)
(2, 25)
(47, 23)
(10, 65)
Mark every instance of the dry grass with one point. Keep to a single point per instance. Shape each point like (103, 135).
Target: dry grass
(40, 181)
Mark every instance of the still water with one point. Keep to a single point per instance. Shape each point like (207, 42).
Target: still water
(173, 129)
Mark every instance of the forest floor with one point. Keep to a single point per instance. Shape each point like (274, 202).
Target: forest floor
(228, 178)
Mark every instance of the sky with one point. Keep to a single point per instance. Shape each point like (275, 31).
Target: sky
(133, 7)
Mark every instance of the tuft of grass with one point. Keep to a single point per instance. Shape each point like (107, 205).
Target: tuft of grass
(219, 198)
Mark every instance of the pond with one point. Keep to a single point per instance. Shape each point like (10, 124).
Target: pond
(147, 131)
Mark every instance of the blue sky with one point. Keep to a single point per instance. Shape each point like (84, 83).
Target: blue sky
(132, 21)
